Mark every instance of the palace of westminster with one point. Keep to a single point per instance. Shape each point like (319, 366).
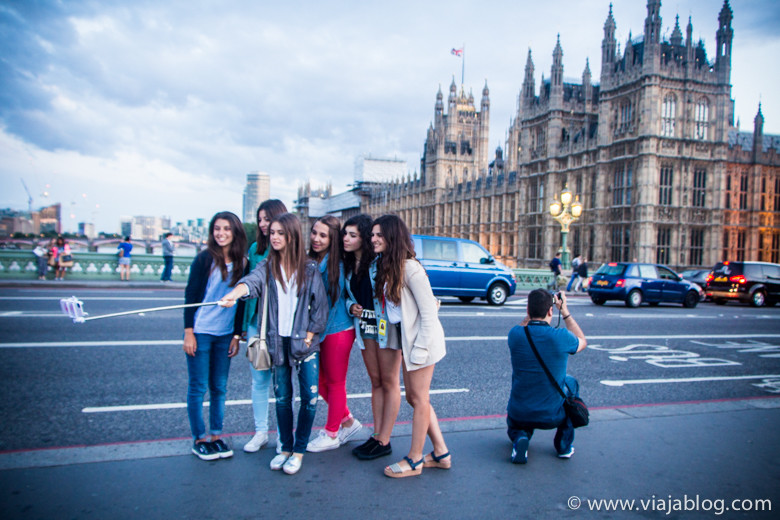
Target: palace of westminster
(651, 150)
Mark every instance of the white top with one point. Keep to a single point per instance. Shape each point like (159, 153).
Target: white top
(393, 310)
(288, 302)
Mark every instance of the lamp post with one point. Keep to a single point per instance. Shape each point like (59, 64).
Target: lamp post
(565, 212)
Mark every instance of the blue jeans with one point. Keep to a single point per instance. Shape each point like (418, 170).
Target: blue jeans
(564, 436)
(208, 369)
(168, 269)
(308, 376)
(261, 384)
(571, 282)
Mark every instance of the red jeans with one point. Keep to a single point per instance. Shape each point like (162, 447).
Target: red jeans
(334, 361)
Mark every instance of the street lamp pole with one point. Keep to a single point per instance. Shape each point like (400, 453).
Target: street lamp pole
(565, 212)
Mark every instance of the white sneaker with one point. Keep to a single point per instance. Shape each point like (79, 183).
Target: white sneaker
(323, 442)
(258, 441)
(278, 462)
(292, 465)
(345, 434)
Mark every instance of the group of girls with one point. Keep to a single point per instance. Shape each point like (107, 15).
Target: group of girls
(360, 284)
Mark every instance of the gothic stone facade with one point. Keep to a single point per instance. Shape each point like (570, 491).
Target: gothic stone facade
(646, 149)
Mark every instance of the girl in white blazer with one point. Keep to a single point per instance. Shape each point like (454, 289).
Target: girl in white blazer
(403, 287)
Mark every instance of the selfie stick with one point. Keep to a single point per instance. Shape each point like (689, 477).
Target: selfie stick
(74, 308)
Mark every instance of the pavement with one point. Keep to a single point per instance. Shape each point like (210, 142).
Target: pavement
(699, 459)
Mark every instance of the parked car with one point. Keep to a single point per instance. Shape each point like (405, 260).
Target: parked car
(697, 276)
(757, 283)
(463, 268)
(635, 283)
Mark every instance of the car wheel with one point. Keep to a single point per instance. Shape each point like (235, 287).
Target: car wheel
(691, 300)
(634, 298)
(719, 301)
(597, 301)
(497, 294)
(758, 299)
(466, 299)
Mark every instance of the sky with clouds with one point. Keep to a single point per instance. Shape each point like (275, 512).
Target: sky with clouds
(161, 107)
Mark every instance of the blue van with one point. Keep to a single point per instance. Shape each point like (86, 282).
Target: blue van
(463, 268)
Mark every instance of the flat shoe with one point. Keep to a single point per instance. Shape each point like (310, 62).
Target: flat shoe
(438, 462)
(396, 471)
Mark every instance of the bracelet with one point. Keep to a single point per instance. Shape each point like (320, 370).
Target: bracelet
(236, 336)
(567, 316)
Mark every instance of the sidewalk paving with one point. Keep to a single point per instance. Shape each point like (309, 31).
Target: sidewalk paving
(705, 455)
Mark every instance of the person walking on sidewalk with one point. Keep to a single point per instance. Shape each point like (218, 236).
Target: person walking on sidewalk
(381, 354)
(555, 267)
(261, 379)
(297, 314)
(212, 334)
(582, 276)
(405, 293)
(533, 402)
(574, 264)
(336, 342)
(167, 251)
(124, 249)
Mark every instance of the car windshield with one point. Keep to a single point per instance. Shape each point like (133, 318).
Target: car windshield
(612, 269)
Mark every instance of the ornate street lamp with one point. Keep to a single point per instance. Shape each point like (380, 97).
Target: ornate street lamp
(565, 212)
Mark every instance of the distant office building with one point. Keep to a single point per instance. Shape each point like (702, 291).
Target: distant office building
(195, 230)
(87, 229)
(143, 227)
(258, 189)
(49, 219)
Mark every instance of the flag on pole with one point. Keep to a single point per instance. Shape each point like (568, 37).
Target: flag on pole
(456, 52)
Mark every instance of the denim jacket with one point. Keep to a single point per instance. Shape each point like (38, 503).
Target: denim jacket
(338, 317)
(311, 314)
(381, 311)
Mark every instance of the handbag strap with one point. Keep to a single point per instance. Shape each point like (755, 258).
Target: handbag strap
(539, 358)
(264, 321)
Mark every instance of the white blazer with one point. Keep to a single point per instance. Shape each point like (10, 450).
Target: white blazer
(421, 331)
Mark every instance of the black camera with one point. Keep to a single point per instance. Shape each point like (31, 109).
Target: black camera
(556, 294)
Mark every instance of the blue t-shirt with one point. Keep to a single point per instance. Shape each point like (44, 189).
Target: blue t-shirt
(215, 320)
(533, 398)
(126, 247)
(338, 318)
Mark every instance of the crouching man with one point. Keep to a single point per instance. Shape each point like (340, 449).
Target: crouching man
(534, 403)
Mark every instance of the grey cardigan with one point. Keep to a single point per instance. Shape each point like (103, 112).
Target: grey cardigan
(311, 314)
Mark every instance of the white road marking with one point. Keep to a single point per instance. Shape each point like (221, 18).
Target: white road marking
(609, 382)
(168, 406)
(164, 342)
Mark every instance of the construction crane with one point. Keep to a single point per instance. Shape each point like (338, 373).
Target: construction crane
(29, 196)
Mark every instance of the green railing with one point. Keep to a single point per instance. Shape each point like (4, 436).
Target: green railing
(22, 265)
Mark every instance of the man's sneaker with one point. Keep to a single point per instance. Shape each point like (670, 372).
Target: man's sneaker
(364, 447)
(323, 442)
(278, 461)
(292, 465)
(222, 449)
(345, 434)
(520, 450)
(567, 454)
(204, 451)
(375, 451)
(258, 441)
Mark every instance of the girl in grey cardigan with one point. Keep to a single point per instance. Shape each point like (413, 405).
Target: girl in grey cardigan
(297, 314)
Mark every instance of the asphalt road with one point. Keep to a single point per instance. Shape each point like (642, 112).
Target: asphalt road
(124, 379)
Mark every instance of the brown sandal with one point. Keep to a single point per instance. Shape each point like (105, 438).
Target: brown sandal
(438, 462)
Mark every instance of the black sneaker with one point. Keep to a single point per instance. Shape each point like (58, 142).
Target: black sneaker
(364, 447)
(375, 451)
(221, 448)
(204, 451)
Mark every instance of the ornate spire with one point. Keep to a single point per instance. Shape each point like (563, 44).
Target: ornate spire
(676, 38)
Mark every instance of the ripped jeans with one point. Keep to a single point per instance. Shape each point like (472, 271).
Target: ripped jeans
(308, 376)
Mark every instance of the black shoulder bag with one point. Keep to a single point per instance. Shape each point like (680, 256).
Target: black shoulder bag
(575, 408)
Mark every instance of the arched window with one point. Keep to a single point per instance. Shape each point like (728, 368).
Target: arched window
(701, 119)
(668, 111)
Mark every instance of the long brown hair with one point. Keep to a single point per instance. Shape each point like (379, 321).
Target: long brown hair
(390, 264)
(334, 252)
(363, 224)
(294, 251)
(237, 249)
(273, 208)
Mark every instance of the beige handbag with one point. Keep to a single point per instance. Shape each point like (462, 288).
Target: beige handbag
(257, 348)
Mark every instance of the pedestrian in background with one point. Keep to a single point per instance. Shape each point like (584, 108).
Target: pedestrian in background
(412, 311)
(533, 402)
(381, 354)
(124, 249)
(167, 252)
(297, 314)
(212, 333)
(336, 342)
(261, 379)
(555, 267)
(582, 276)
(62, 257)
(41, 261)
(574, 264)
